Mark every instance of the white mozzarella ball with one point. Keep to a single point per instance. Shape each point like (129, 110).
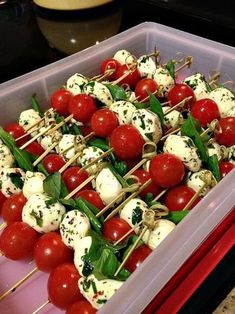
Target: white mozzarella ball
(28, 118)
(76, 83)
(81, 247)
(6, 157)
(99, 91)
(198, 83)
(146, 66)
(105, 289)
(184, 148)
(88, 155)
(224, 99)
(124, 57)
(231, 154)
(67, 143)
(133, 211)
(33, 183)
(231, 112)
(42, 213)
(74, 225)
(173, 119)
(195, 181)
(47, 140)
(11, 181)
(154, 237)
(124, 111)
(215, 149)
(163, 78)
(148, 124)
(107, 185)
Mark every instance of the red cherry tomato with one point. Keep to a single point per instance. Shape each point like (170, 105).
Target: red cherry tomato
(103, 122)
(17, 241)
(60, 101)
(225, 167)
(227, 135)
(12, 208)
(17, 131)
(127, 142)
(130, 79)
(110, 64)
(144, 176)
(144, 86)
(115, 228)
(137, 257)
(205, 110)
(62, 286)
(80, 307)
(35, 148)
(2, 200)
(92, 197)
(73, 177)
(178, 197)
(82, 107)
(50, 251)
(166, 170)
(53, 162)
(178, 93)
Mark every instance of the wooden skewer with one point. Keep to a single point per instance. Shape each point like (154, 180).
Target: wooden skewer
(106, 74)
(109, 151)
(70, 161)
(123, 76)
(188, 62)
(181, 103)
(142, 162)
(78, 188)
(41, 307)
(36, 137)
(47, 151)
(3, 226)
(27, 134)
(101, 212)
(57, 126)
(85, 138)
(19, 283)
(128, 233)
(159, 195)
(171, 132)
(187, 206)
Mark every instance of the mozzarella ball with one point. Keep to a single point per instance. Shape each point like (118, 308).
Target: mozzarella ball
(74, 225)
(198, 83)
(76, 83)
(146, 66)
(231, 154)
(11, 181)
(163, 78)
(67, 141)
(42, 213)
(105, 289)
(28, 118)
(33, 183)
(173, 119)
(47, 140)
(133, 211)
(148, 124)
(184, 148)
(195, 181)
(154, 237)
(124, 57)
(81, 247)
(6, 157)
(107, 185)
(124, 111)
(88, 155)
(224, 99)
(231, 112)
(99, 91)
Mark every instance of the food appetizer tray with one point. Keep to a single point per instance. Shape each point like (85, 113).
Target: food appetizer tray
(148, 280)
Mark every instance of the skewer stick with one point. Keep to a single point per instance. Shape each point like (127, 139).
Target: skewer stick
(106, 74)
(142, 162)
(132, 68)
(181, 103)
(3, 226)
(78, 188)
(85, 138)
(159, 195)
(188, 62)
(214, 126)
(19, 283)
(70, 161)
(27, 134)
(47, 151)
(41, 307)
(100, 213)
(214, 78)
(57, 126)
(109, 151)
(187, 206)
(169, 133)
(128, 232)
(36, 137)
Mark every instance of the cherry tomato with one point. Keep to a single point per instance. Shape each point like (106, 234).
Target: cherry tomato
(50, 251)
(137, 257)
(17, 241)
(178, 197)
(166, 170)
(60, 101)
(144, 86)
(205, 110)
(103, 122)
(35, 148)
(82, 107)
(178, 93)
(12, 208)
(73, 177)
(62, 286)
(110, 64)
(225, 167)
(2, 200)
(80, 307)
(92, 197)
(127, 142)
(143, 177)
(115, 228)
(17, 131)
(227, 135)
(130, 79)
(53, 162)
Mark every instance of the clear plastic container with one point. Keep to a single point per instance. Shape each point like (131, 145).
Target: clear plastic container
(164, 262)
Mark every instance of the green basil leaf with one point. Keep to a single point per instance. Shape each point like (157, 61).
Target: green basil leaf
(141, 105)
(117, 92)
(7, 139)
(213, 165)
(23, 159)
(94, 209)
(64, 191)
(42, 169)
(70, 202)
(16, 179)
(52, 185)
(177, 216)
(156, 107)
(120, 167)
(102, 144)
(149, 198)
(64, 128)
(35, 105)
(76, 130)
(117, 175)
(171, 68)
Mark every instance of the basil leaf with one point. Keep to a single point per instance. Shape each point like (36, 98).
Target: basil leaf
(117, 175)
(177, 216)
(149, 198)
(64, 191)
(141, 105)
(192, 128)
(41, 168)
(170, 66)
(93, 208)
(64, 128)
(120, 167)
(76, 130)
(70, 202)
(35, 105)
(213, 165)
(102, 144)
(16, 179)
(23, 159)
(117, 92)
(156, 107)
(7, 139)
(52, 185)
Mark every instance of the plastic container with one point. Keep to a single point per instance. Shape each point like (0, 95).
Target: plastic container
(164, 262)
